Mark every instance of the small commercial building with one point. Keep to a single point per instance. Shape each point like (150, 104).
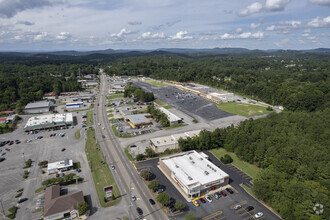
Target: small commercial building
(138, 120)
(74, 105)
(58, 207)
(53, 121)
(194, 174)
(160, 144)
(60, 166)
(37, 107)
(173, 119)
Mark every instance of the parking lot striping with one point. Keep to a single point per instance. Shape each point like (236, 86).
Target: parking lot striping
(239, 203)
(224, 217)
(244, 213)
(248, 217)
(212, 216)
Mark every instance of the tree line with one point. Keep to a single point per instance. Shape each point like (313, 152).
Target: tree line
(138, 93)
(159, 116)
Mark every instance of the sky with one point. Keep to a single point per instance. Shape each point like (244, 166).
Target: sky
(49, 25)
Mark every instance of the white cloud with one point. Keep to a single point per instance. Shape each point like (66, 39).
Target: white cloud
(41, 36)
(181, 35)
(276, 5)
(239, 30)
(270, 5)
(282, 42)
(63, 36)
(254, 25)
(285, 26)
(319, 22)
(244, 35)
(121, 33)
(149, 35)
(251, 9)
(271, 28)
(134, 22)
(321, 2)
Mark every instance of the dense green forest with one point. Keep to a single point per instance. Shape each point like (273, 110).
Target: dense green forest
(293, 150)
(296, 82)
(23, 82)
(138, 93)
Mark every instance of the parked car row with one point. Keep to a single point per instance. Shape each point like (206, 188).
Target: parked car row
(209, 198)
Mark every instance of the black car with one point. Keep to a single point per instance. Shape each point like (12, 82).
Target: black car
(20, 200)
(230, 190)
(249, 208)
(63, 149)
(139, 211)
(152, 202)
(2, 159)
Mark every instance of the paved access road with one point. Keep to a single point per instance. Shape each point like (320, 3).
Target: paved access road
(124, 173)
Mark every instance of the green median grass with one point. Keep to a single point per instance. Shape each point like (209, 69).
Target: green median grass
(89, 120)
(249, 169)
(156, 83)
(77, 134)
(128, 155)
(160, 103)
(116, 96)
(101, 173)
(242, 109)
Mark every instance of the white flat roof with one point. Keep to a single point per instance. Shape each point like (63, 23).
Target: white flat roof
(60, 164)
(170, 115)
(37, 105)
(138, 118)
(191, 168)
(173, 139)
(47, 119)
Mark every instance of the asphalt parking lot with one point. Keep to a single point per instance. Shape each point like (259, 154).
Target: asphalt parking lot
(48, 148)
(188, 103)
(222, 208)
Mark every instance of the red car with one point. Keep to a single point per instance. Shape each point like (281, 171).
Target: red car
(202, 200)
(223, 193)
(11, 143)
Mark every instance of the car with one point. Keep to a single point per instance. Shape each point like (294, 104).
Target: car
(63, 149)
(217, 195)
(57, 175)
(133, 145)
(195, 203)
(230, 190)
(202, 200)
(7, 149)
(152, 202)
(133, 197)
(258, 215)
(78, 170)
(28, 141)
(3, 154)
(236, 207)
(223, 193)
(249, 208)
(2, 159)
(208, 198)
(11, 143)
(139, 211)
(160, 190)
(173, 209)
(20, 200)
(112, 167)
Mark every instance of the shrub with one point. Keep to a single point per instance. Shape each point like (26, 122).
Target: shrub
(149, 152)
(28, 163)
(153, 185)
(190, 217)
(226, 159)
(179, 205)
(140, 157)
(163, 198)
(82, 207)
(43, 163)
(146, 174)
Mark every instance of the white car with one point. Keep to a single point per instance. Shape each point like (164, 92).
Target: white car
(236, 207)
(133, 198)
(208, 198)
(258, 215)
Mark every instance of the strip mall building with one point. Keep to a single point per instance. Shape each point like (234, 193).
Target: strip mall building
(194, 174)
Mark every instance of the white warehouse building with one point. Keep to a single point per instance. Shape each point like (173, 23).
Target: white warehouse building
(170, 116)
(193, 173)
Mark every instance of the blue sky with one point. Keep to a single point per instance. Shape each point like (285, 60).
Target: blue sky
(151, 24)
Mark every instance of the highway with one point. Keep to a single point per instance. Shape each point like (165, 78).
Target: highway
(124, 173)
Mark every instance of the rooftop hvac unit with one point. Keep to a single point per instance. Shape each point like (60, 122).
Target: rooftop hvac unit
(201, 158)
(206, 173)
(189, 178)
(190, 158)
(176, 166)
(192, 162)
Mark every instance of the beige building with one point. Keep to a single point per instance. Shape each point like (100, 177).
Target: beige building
(160, 144)
(194, 174)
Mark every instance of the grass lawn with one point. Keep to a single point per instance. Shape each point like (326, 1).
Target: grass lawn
(90, 121)
(117, 133)
(77, 134)
(167, 106)
(116, 96)
(175, 126)
(156, 83)
(160, 103)
(101, 173)
(242, 109)
(76, 165)
(250, 169)
(129, 156)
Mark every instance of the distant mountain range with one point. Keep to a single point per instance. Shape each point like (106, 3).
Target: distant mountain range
(180, 51)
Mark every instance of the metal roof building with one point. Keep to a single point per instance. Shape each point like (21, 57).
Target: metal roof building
(170, 116)
(138, 119)
(60, 166)
(49, 121)
(160, 144)
(37, 107)
(194, 174)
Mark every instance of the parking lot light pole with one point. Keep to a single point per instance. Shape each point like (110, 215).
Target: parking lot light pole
(23, 157)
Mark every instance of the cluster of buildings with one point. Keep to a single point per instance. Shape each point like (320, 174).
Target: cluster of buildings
(138, 120)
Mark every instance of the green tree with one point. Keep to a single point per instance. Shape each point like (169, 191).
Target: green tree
(139, 157)
(179, 205)
(190, 216)
(153, 185)
(149, 152)
(226, 159)
(82, 207)
(163, 198)
(146, 174)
